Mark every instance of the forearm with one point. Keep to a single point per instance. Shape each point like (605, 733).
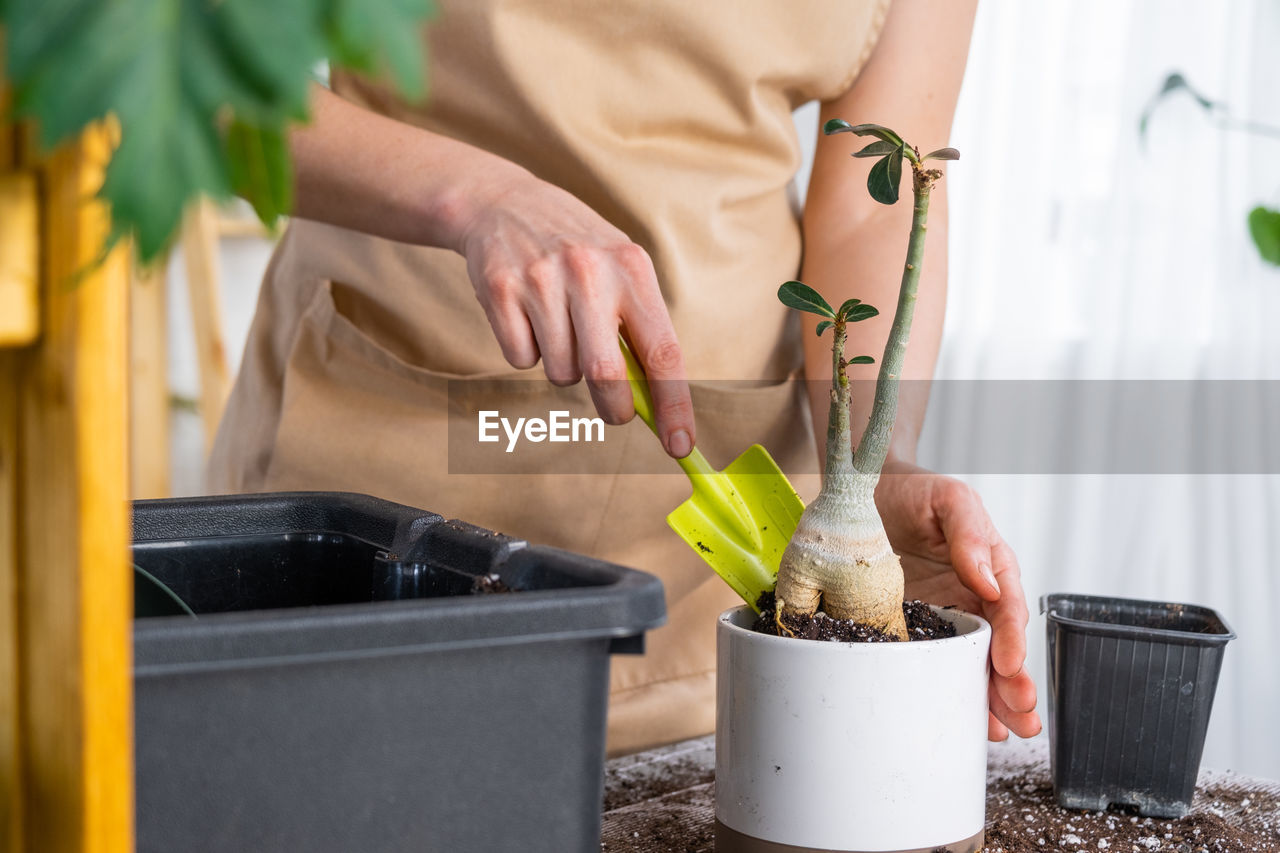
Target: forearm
(363, 171)
(850, 257)
(555, 280)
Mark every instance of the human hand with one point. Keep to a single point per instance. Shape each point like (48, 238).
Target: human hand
(557, 282)
(952, 554)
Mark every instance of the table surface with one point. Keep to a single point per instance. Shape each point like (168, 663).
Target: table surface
(663, 800)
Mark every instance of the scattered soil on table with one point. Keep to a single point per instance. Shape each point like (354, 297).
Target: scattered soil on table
(666, 807)
(675, 801)
(670, 830)
(490, 583)
(922, 624)
(628, 788)
(1023, 817)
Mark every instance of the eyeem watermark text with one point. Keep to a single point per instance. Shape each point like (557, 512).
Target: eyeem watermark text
(558, 426)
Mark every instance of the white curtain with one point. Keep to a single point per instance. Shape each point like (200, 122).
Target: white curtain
(1116, 284)
(1079, 254)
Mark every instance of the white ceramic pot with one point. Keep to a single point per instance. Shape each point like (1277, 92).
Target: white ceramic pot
(824, 746)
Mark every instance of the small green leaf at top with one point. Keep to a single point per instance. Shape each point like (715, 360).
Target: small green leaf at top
(861, 312)
(943, 154)
(846, 306)
(879, 131)
(1264, 227)
(861, 359)
(885, 176)
(839, 125)
(802, 297)
(823, 326)
(876, 149)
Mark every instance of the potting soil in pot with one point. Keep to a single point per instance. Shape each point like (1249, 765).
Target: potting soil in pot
(922, 624)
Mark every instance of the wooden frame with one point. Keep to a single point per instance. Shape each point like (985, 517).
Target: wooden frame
(66, 718)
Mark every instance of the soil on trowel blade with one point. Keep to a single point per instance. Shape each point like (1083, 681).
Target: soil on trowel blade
(922, 624)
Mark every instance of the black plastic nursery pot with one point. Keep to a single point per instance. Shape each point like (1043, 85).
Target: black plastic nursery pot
(340, 688)
(1131, 685)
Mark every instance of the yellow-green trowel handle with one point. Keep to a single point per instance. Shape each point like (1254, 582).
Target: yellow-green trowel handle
(695, 462)
(717, 520)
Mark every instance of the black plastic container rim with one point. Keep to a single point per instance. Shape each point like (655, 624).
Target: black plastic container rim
(1107, 629)
(631, 603)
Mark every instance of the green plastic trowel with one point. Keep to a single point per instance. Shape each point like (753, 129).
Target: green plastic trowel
(740, 519)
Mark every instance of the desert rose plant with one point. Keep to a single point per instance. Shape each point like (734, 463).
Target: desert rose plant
(839, 556)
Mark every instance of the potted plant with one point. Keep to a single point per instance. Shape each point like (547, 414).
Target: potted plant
(841, 746)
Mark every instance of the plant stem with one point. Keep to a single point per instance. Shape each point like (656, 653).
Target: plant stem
(873, 448)
(839, 465)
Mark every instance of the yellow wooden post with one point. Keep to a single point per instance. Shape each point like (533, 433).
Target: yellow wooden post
(22, 242)
(149, 446)
(200, 247)
(66, 746)
(19, 321)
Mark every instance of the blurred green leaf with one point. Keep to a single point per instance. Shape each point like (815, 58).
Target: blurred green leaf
(862, 312)
(885, 176)
(802, 297)
(823, 326)
(943, 154)
(861, 359)
(378, 38)
(1264, 227)
(1174, 82)
(837, 125)
(261, 170)
(181, 76)
(876, 149)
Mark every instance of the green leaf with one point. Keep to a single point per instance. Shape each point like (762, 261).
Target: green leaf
(943, 154)
(839, 125)
(151, 177)
(802, 297)
(378, 38)
(876, 149)
(261, 170)
(861, 359)
(823, 326)
(885, 176)
(1264, 227)
(862, 312)
(177, 74)
(846, 306)
(878, 131)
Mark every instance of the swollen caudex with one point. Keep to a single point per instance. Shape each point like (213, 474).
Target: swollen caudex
(840, 558)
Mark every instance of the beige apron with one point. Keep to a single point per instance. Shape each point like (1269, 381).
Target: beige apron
(672, 119)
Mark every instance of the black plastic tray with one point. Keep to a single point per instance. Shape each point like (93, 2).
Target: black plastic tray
(1131, 686)
(340, 689)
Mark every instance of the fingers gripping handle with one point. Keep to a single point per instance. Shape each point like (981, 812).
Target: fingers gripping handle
(695, 463)
(640, 395)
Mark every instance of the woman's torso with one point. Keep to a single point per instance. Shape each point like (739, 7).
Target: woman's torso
(670, 118)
